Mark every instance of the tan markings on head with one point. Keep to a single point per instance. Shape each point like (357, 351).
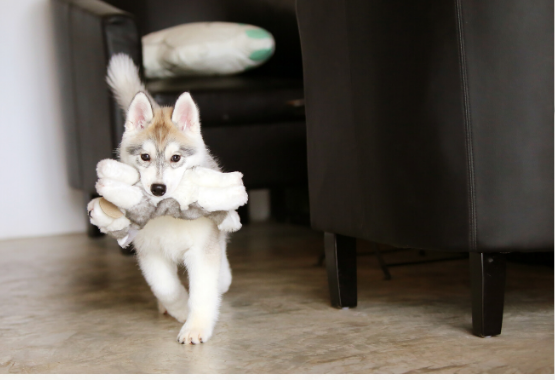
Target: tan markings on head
(162, 130)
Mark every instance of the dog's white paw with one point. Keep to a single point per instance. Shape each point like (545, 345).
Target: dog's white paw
(178, 309)
(179, 314)
(161, 308)
(194, 333)
(224, 281)
(231, 223)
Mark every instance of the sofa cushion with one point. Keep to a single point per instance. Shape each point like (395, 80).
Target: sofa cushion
(236, 99)
(205, 49)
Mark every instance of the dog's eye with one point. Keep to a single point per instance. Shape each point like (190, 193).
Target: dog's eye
(145, 157)
(176, 158)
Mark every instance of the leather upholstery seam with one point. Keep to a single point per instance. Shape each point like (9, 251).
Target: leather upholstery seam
(468, 130)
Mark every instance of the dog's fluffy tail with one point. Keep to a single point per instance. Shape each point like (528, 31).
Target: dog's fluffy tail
(123, 78)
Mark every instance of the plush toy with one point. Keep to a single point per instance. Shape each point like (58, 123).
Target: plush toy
(125, 207)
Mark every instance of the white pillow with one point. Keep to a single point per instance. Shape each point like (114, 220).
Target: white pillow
(205, 48)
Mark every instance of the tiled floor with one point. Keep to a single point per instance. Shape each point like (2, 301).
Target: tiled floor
(73, 305)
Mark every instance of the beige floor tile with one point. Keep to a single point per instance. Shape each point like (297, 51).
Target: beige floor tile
(73, 305)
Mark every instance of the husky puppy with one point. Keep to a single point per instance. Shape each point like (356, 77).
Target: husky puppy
(162, 143)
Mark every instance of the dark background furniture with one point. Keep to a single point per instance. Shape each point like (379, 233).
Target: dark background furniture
(430, 126)
(252, 122)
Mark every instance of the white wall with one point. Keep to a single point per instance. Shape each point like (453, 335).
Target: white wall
(35, 198)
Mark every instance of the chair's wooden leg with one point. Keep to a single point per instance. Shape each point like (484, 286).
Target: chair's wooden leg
(487, 278)
(341, 265)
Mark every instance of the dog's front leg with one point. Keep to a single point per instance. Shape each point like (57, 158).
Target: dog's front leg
(203, 267)
(161, 275)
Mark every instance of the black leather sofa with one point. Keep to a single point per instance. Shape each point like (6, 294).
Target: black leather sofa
(253, 122)
(430, 126)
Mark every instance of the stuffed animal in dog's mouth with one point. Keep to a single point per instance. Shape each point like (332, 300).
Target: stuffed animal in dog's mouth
(202, 192)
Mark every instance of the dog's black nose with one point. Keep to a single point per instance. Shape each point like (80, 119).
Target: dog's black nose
(158, 189)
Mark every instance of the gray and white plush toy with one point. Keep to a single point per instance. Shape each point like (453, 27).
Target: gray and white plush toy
(124, 210)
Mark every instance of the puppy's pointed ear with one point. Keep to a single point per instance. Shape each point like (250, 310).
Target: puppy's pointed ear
(185, 114)
(140, 113)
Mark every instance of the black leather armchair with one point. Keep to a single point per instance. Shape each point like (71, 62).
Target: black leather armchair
(252, 122)
(430, 126)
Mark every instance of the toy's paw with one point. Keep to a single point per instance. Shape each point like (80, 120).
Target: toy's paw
(194, 333)
(116, 170)
(213, 178)
(97, 217)
(118, 224)
(233, 179)
(185, 194)
(106, 223)
(231, 222)
(223, 199)
(119, 193)
(238, 196)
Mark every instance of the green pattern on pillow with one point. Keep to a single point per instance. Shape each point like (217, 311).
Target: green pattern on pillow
(258, 33)
(261, 55)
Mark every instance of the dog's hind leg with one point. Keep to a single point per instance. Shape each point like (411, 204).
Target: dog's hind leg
(161, 307)
(161, 275)
(224, 279)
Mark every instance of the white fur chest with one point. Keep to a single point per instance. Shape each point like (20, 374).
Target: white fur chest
(173, 237)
